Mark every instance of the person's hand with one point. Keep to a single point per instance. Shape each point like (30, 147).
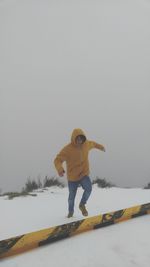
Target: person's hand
(103, 149)
(61, 173)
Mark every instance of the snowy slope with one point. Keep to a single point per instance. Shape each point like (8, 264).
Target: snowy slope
(126, 244)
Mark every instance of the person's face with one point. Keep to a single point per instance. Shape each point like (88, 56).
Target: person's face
(79, 140)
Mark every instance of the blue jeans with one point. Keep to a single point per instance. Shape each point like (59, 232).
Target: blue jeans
(86, 184)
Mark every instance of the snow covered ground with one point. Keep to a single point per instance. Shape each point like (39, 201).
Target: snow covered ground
(125, 244)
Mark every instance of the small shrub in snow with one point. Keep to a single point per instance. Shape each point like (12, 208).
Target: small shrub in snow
(48, 182)
(147, 186)
(12, 195)
(101, 182)
(30, 185)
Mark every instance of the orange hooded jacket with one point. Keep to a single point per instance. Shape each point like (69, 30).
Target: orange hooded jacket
(76, 158)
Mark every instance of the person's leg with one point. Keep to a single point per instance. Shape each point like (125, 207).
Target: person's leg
(87, 187)
(72, 193)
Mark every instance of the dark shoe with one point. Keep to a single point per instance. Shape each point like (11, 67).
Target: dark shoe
(70, 214)
(83, 210)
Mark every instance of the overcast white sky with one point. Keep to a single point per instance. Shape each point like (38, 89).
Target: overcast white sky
(70, 64)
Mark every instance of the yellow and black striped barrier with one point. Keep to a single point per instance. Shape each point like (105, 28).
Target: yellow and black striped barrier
(22, 243)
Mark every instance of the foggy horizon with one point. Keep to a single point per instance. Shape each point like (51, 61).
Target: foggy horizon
(82, 64)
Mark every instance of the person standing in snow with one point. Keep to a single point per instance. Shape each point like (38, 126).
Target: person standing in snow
(75, 154)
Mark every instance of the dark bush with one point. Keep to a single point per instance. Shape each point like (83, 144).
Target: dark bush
(52, 181)
(30, 186)
(147, 186)
(101, 182)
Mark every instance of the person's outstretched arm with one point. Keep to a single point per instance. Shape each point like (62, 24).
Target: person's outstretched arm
(93, 144)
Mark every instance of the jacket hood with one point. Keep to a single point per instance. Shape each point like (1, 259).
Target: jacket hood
(75, 133)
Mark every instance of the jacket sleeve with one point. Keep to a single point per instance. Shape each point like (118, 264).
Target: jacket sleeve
(60, 158)
(92, 144)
